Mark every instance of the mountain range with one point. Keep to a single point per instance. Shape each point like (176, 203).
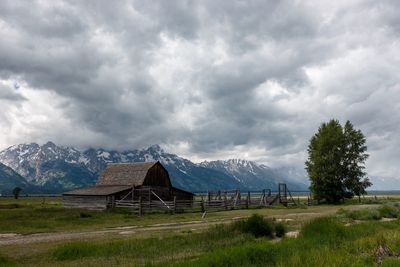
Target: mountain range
(49, 168)
(9, 179)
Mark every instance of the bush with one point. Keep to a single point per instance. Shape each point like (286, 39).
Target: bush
(84, 215)
(255, 225)
(371, 215)
(396, 204)
(280, 230)
(364, 214)
(387, 211)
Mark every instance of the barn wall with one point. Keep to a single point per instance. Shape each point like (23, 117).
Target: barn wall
(120, 195)
(157, 176)
(165, 193)
(87, 202)
(181, 195)
(145, 193)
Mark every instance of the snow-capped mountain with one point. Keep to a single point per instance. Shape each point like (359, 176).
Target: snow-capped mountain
(51, 167)
(255, 176)
(27, 159)
(58, 168)
(9, 179)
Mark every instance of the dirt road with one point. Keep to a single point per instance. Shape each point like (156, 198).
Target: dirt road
(12, 238)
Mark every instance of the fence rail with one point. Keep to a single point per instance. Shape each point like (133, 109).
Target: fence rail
(219, 200)
(142, 207)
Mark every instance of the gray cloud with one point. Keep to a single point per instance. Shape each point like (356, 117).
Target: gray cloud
(208, 79)
(10, 94)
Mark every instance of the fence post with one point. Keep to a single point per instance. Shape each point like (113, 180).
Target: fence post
(113, 201)
(202, 204)
(263, 198)
(225, 203)
(149, 199)
(174, 204)
(140, 206)
(247, 201)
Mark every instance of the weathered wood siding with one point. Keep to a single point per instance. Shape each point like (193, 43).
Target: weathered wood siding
(157, 176)
(181, 195)
(86, 202)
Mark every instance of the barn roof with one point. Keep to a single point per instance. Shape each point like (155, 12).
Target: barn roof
(98, 190)
(129, 174)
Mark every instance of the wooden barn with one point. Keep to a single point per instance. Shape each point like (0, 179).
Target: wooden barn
(126, 181)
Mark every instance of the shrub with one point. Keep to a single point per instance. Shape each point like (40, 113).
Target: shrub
(255, 225)
(372, 215)
(388, 211)
(364, 214)
(280, 230)
(84, 215)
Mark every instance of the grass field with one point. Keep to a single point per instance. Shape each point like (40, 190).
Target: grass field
(37, 215)
(324, 239)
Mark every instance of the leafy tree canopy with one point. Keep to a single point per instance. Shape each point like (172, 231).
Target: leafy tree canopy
(336, 162)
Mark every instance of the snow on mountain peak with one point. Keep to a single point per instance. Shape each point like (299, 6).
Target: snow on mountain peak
(103, 154)
(35, 162)
(49, 144)
(155, 148)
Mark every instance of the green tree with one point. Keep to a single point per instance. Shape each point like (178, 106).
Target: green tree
(354, 161)
(335, 165)
(16, 192)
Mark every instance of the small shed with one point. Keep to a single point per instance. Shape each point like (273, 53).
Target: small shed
(148, 180)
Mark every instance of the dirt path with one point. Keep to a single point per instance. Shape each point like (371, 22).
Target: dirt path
(11, 238)
(14, 239)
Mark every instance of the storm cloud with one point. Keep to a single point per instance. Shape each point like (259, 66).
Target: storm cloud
(206, 79)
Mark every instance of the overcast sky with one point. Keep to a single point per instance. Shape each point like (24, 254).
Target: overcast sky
(206, 79)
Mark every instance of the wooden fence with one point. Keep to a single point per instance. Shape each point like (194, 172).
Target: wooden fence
(203, 204)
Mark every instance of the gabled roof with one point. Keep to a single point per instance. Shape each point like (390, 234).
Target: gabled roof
(129, 174)
(98, 190)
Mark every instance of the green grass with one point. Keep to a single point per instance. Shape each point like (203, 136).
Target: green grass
(35, 215)
(322, 242)
(6, 261)
(150, 250)
(32, 219)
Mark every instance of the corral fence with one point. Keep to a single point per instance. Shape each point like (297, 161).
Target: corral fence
(212, 201)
